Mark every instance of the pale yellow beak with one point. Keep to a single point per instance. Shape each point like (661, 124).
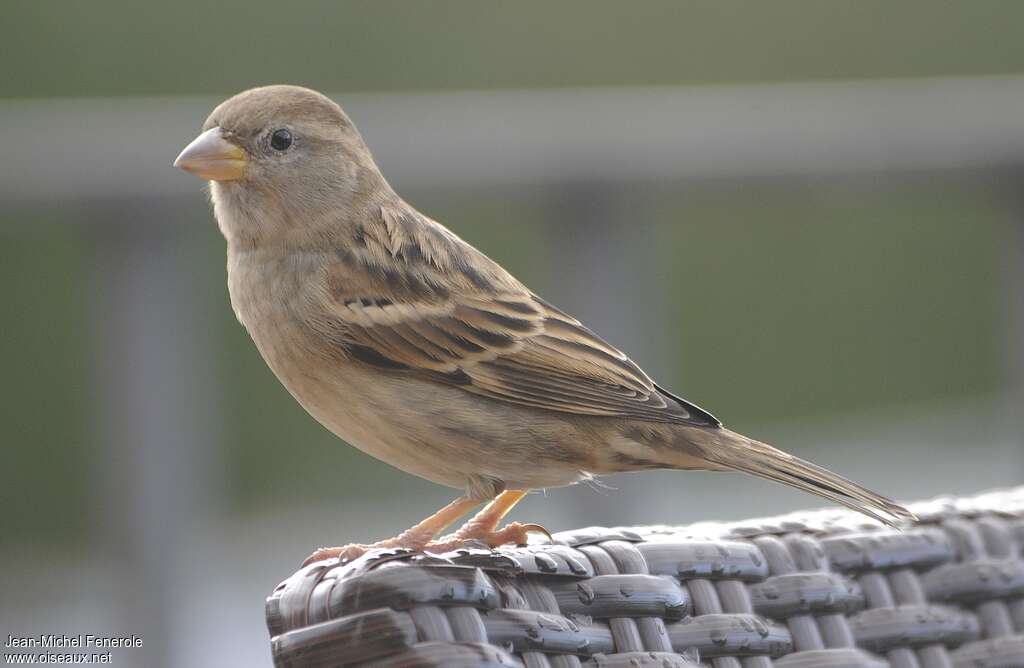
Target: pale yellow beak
(212, 157)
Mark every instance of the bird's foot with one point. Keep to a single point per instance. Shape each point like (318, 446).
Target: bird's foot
(414, 538)
(345, 552)
(515, 533)
(480, 531)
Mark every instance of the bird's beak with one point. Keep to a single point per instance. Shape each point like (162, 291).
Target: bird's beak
(212, 157)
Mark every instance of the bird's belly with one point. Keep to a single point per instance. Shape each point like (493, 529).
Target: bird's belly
(439, 433)
(348, 405)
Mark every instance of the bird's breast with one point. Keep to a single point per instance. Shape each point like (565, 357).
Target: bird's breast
(272, 295)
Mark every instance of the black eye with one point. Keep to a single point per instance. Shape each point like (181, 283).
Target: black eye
(281, 139)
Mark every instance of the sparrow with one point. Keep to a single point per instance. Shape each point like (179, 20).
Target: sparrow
(415, 347)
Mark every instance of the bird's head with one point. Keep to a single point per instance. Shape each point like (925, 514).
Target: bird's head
(279, 158)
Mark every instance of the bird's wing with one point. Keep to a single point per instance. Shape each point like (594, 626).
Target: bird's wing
(455, 317)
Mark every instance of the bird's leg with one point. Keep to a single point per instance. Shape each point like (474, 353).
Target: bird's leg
(415, 537)
(482, 527)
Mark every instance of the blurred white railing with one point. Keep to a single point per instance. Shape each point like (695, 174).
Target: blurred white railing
(97, 148)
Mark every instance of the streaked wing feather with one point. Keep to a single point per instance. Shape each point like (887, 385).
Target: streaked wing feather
(441, 310)
(511, 348)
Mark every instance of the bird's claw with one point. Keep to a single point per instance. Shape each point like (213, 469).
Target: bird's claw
(514, 533)
(345, 553)
(536, 528)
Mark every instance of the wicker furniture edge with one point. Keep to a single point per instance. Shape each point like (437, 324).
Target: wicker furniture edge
(824, 588)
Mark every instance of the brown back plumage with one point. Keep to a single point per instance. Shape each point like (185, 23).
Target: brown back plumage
(409, 296)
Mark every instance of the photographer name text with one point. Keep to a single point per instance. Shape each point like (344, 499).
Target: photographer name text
(88, 640)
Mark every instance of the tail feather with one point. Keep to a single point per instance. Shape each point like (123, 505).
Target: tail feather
(760, 459)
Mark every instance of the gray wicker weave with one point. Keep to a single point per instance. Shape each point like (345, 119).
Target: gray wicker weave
(814, 589)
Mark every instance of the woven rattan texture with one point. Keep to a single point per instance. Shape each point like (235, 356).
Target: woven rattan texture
(815, 589)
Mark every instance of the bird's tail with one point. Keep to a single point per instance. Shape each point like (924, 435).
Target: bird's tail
(739, 453)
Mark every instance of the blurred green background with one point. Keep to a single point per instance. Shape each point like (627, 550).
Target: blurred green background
(869, 319)
(130, 48)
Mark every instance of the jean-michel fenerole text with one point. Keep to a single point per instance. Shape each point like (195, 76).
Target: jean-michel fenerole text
(87, 640)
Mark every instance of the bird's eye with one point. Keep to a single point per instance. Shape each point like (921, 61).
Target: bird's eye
(281, 139)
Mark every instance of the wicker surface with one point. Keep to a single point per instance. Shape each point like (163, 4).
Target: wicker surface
(814, 589)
